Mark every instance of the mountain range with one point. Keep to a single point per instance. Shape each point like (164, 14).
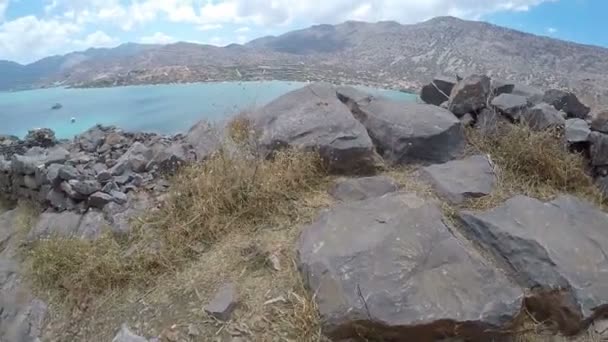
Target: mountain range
(384, 54)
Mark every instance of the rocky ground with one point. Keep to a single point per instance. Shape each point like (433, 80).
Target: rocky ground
(416, 229)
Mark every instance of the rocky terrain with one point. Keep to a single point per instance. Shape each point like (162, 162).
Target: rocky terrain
(394, 256)
(384, 54)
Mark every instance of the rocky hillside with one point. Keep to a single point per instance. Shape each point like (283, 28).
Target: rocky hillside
(386, 54)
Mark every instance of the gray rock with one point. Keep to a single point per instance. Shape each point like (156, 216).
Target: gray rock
(533, 95)
(21, 322)
(602, 184)
(169, 159)
(42, 137)
(204, 139)
(467, 120)
(223, 303)
(488, 121)
(126, 335)
(470, 95)
(99, 200)
(30, 182)
(48, 175)
(543, 116)
(458, 180)
(600, 122)
(56, 155)
(90, 140)
(5, 165)
(104, 176)
(355, 189)
(27, 165)
(124, 179)
(85, 187)
(119, 197)
(52, 224)
(109, 187)
(599, 149)
(312, 118)
(409, 132)
(577, 130)
(67, 173)
(92, 225)
(57, 199)
(567, 102)
(502, 87)
(135, 159)
(510, 105)
(115, 140)
(438, 91)
(391, 262)
(557, 249)
(67, 188)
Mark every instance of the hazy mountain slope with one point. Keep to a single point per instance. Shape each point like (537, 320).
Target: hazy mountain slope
(386, 53)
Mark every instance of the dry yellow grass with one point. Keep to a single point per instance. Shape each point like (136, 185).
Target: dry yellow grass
(535, 164)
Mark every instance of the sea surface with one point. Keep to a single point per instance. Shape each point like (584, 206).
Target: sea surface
(165, 109)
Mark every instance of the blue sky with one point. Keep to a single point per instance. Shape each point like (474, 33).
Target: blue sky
(32, 29)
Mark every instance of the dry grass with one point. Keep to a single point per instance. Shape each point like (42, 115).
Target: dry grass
(535, 164)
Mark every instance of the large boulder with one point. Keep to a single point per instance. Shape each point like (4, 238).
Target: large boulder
(577, 131)
(51, 224)
(600, 122)
(543, 116)
(356, 189)
(168, 159)
(567, 102)
(533, 95)
(438, 91)
(312, 118)
(389, 267)
(204, 139)
(469, 95)
(510, 105)
(502, 87)
(458, 180)
(92, 139)
(557, 250)
(409, 132)
(136, 159)
(599, 149)
(42, 137)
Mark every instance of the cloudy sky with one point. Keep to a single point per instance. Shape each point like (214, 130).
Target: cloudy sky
(32, 29)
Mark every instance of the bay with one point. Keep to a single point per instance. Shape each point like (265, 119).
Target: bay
(164, 109)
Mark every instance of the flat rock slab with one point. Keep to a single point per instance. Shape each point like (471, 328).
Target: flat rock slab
(543, 116)
(558, 249)
(458, 180)
(312, 118)
(389, 267)
(126, 335)
(355, 189)
(409, 132)
(510, 105)
(223, 303)
(577, 130)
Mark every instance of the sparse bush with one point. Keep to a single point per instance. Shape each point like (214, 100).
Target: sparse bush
(535, 163)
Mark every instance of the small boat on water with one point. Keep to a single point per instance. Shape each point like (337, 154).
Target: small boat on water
(57, 106)
(73, 119)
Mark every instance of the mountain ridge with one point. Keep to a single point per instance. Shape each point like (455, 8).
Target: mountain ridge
(385, 54)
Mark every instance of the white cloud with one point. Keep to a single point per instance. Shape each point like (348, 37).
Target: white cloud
(244, 29)
(158, 38)
(551, 30)
(3, 7)
(209, 27)
(96, 39)
(29, 38)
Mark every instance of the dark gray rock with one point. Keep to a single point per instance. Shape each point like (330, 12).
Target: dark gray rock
(104, 176)
(543, 116)
(119, 197)
(27, 165)
(99, 200)
(135, 159)
(599, 149)
(57, 199)
(502, 87)
(510, 105)
(109, 187)
(602, 184)
(470, 95)
(600, 122)
(312, 118)
(169, 159)
(42, 137)
(567, 102)
(92, 139)
(66, 187)
(355, 189)
(124, 179)
(467, 120)
(557, 249)
(409, 132)
(126, 335)
(438, 91)
(577, 131)
(67, 173)
(458, 180)
(391, 263)
(223, 303)
(86, 187)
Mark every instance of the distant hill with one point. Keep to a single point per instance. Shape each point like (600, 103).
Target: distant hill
(386, 53)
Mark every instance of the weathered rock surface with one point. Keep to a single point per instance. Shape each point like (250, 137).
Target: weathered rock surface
(389, 267)
(126, 335)
(577, 131)
(458, 180)
(408, 132)
(65, 224)
(470, 95)
(312, 118)
(355, 189)
(599, 149)
(223, 303)
(567, 102)
(558, 249)
(438, 91)
(42, 137)
(510, 105)
(543, 116)
(600, 122)
(204, 139)
(533, 95)
(502, 87)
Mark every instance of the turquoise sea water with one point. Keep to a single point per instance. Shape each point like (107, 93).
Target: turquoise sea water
(166, 109)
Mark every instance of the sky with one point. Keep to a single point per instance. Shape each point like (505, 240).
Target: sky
(33, 29)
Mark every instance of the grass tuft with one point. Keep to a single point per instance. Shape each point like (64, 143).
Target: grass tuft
(534, 163)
